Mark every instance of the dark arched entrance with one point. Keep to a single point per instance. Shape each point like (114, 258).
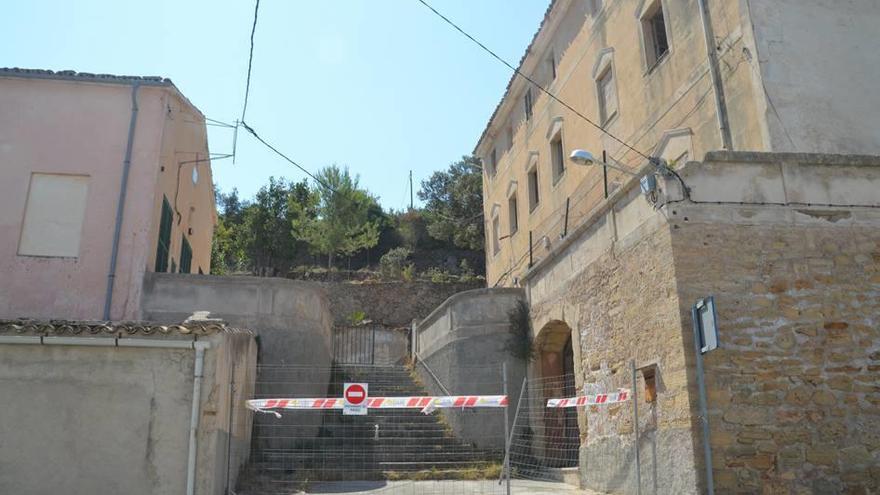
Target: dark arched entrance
(561, 433)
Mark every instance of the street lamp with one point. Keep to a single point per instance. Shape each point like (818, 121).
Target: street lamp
(585, 158)
(648, 182)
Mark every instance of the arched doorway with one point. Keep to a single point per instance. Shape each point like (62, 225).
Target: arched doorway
(557, 379)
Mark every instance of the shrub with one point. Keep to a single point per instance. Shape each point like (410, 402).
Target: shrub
(519, 344)
(393, 262)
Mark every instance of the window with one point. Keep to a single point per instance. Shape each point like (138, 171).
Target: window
(551, 65)
(514, 220)
(492, 165)
(54, 215)
(607, 91)
(528, 103)
(496, 235)
(186, 255)
(650, 376)
(533, 189)
(509, 141)
(557, 157)
(163, 250)
(654, 32)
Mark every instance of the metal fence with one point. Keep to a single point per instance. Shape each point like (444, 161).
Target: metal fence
(386, 451)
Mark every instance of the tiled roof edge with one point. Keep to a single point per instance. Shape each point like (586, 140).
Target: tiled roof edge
(65, 327)
(515, 75)
(72, 75)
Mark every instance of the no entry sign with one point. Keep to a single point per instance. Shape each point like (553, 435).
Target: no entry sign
(354, 397)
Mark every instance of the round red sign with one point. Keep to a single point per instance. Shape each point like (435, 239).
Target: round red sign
(355, 394)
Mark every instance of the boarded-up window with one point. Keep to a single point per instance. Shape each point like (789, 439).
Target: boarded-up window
(54, 215)
(607, 96)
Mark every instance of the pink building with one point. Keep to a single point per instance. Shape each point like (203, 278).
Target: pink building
(102, 178)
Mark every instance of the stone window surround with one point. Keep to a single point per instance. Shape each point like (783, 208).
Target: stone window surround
(512, 214)
(532, 166)
(554, 133)
(495, 229)
(643, 10)
(605, 62)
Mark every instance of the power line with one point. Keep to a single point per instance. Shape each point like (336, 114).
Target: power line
(282, 155)
(247, 87)
(532, 81)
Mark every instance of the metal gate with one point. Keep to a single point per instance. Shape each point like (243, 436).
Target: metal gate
(453, 451)
(354, 345)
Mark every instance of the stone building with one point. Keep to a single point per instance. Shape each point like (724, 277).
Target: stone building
(102, 179)
(639, 69)
(782, 234)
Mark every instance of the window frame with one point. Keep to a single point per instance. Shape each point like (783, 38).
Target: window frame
(529, 103)
(650, 33)
(492, 169)
(496, 233)
(185, 256)
(534, 185)
(163, 250)
(512, 214)
(33, 222)
(606, 79)
(557, 156)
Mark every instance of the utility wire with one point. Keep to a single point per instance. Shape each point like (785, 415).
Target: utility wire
(247, 87)
(282, 155)
(529, 79)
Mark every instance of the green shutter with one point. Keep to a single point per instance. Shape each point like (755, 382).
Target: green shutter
(186, 256)
(164, 247)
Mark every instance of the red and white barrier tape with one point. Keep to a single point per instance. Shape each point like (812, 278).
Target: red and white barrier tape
(591, 400)
(426, 404)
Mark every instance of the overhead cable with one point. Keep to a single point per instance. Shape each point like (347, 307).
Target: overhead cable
(532, 81)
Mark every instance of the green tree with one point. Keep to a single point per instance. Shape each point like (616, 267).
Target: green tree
(264, 229)
(454, 204)
(338, 217)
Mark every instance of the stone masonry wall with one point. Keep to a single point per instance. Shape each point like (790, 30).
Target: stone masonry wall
(390, 304)
(793, 389)
(623, 306)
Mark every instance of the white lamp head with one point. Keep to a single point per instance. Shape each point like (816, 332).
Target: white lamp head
(582, 157)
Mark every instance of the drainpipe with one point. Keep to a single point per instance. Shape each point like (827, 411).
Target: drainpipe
(198, 373)
(717, 84)
(194, 416)
(120, 207)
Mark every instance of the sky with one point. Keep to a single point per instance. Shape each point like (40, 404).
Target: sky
(380, 86)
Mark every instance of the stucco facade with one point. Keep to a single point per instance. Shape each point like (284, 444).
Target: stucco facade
(63, 145)
(775, 59)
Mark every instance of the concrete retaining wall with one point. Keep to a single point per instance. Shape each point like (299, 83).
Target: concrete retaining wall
(290, 318)
(116, 420)
(463, 343)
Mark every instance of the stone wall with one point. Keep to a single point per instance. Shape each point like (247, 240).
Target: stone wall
(621, 306)
(789, 245)
(391, 304)
(794, 398)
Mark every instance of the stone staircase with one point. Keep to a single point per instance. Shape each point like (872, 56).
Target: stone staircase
(383, 445)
